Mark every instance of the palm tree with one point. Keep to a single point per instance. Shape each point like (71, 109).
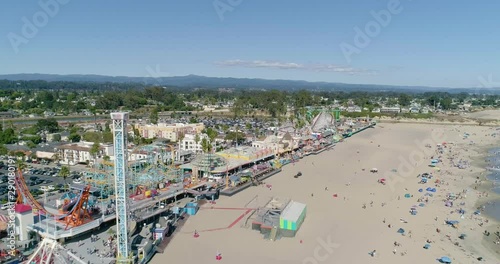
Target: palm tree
(20, 163)
(197, 140)
(56, 158)
(64, 173)
(205, 145)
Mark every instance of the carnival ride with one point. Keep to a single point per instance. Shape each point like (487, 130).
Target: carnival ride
(51, 252)
(147, 171)
(77, 214)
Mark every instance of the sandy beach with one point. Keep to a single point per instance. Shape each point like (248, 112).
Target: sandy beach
(346, 228)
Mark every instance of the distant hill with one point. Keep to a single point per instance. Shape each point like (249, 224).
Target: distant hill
(195, 81)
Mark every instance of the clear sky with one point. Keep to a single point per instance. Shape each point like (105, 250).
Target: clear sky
(448, 43)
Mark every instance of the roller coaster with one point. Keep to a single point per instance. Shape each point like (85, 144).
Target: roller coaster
(77, 214)
(147, 169)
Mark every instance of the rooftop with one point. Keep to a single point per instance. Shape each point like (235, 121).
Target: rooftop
(293, 211)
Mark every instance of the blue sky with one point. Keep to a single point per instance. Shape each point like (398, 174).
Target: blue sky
(432, 43)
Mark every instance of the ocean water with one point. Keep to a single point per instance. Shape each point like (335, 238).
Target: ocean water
(493, 160)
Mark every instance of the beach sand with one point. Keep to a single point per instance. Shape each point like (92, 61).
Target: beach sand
(339, 230)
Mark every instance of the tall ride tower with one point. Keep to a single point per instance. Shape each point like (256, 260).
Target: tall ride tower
(120, 148)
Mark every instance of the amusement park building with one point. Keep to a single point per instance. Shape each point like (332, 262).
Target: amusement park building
(228, 160)
(80, 152)
(278, 144)
(169, 131)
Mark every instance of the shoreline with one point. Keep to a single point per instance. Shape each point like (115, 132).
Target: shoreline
(479, 162)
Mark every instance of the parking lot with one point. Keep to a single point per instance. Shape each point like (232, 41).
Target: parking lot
(38, 178)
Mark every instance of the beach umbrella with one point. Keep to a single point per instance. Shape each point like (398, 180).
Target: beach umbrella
(401, 231)
(427, 246)
(445, 260)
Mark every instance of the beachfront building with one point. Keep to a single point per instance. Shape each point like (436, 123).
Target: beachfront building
(228, 161)
(169, 131)
(192, 142)
(389, 110)
(278, 144)
(75, 153)
(279, 218)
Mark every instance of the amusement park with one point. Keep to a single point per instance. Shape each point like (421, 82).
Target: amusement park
(132, 202)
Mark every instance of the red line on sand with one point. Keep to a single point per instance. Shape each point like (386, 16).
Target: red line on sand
(232, 224)
(239, 218)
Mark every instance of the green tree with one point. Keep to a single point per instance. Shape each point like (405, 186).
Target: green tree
(153, 117)
(74, 137)
(446, 103)
(206, 146)
(3, 150)
(31, 145)
(197, 139)
(50, 125)
(94, 150)
(56, 158)
(64, 172)
(211, 133)
(235, 136)
(56, 137)
(92, 136)
(107, 137)
(20, 164)
(404, 99)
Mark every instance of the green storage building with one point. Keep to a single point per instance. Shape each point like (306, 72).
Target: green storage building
(291, 218)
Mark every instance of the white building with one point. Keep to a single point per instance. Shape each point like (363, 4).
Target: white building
(80, 152)
(277, 144)
(395, 109)
(169, 131)
(189, 142)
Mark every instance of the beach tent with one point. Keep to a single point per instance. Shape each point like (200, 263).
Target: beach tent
(407, 195)
(401, 231)
(427, 246)
(444, 260)
(420, 190)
